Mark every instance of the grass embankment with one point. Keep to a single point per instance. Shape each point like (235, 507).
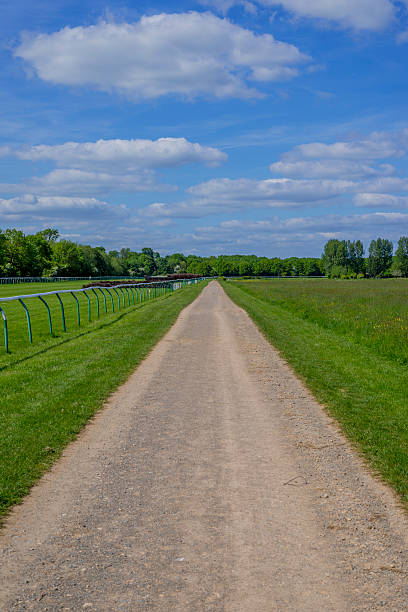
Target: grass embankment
(348, 341)
(50, 391)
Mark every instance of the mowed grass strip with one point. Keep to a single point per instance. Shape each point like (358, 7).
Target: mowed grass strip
(47, 396)
(363, 389)
(17, 321)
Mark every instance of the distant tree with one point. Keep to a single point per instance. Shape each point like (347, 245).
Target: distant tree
(245, 268)
(20, 256)
(176, 262)
(275, 267)
(3, 246)
(262, 266)
(379, 257)
(96, 262)
(343, 257)
(67, 259)
(356, 256)
(147, 264)
(335, 257)
(312, 267)
(49, 234)
(401, 256)
(124, 253)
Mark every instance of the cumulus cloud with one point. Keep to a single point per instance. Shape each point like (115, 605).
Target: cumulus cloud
(381, 200)
(273, 237)
(378, 145)
(355, 14)
(71, 182)
(390, 184)
(187, 54)
(128, 155)
(94, 168)
(221, 195)
(29, 208)
(330, 168)
(314, 174)
(268, 191)
(295, 236)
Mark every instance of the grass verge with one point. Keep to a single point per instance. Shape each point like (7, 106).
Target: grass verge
(365, 391)
(17, 322)
(48, 395)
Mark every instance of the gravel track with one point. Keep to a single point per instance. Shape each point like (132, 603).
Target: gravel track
(212, 480)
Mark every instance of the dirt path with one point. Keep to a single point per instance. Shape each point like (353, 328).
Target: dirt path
(211, 481)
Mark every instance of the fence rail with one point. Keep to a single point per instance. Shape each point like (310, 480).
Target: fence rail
(118, 296)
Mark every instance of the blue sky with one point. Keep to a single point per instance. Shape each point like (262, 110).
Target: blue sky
(205, 127)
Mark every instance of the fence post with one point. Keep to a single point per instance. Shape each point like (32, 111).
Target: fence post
(127, 293)
(111, 297)
(77, 304)
(118, 296)
(49, 312)
(97, 303)
(89, 305)
(30, 335)
(104, 299)
(123, 296)
(3, 314)
(62, 312)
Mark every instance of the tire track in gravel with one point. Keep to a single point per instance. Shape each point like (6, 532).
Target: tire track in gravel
(212, 480)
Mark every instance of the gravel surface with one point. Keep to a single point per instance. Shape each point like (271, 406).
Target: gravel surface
(212, 480)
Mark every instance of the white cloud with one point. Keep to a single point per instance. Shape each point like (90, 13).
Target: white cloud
(355, 14)
(378, 145)
(302, 236)
(381, 200)
(314, 174)
(268, 191)
(95, 168)
(220, 195)
(188, 54)
(81, 182)
(29, 208)
(384, 185)
(126, 155)
(330, 168)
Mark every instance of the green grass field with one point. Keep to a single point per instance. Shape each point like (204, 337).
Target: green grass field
(17, 322)
(49, 390)
(348, 341)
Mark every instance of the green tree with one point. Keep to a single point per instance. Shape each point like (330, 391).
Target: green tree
(3, 246)
(19, 255)
(379, 257)
(245, 267)
(335, 257)
(356, 256)
(67, 259)
(401, 256)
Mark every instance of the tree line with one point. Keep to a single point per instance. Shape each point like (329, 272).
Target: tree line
(345, 259)
(45, 253)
